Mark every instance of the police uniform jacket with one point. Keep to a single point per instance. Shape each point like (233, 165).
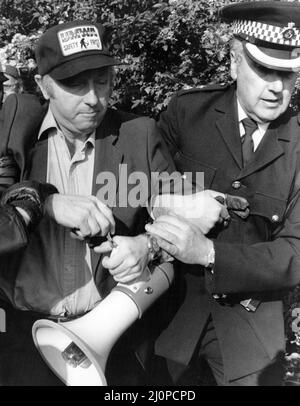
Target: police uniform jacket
(257, 257)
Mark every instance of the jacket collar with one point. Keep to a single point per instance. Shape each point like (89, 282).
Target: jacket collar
(270, 147)
(228, 124)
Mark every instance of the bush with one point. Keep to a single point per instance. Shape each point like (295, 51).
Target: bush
(23, 22)
(166, 46)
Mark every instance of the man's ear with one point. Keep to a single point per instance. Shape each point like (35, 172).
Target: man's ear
(233, 64)
(39, 81)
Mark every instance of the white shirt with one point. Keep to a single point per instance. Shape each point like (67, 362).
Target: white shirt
(55, 276)
(258, 134)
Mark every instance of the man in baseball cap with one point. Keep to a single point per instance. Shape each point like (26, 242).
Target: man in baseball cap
(85, 149)
(71, 55)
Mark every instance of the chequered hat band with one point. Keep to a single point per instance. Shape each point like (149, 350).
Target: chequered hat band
(289, 35)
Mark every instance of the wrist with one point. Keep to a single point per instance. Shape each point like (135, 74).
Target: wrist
(155, 253)
(154, 250)
(165, 204)
(48, 206)
(47, 190)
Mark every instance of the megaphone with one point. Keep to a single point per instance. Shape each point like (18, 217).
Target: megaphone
(77, 350)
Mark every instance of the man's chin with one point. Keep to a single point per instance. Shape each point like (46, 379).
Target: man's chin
(88, 125)
(269, 116)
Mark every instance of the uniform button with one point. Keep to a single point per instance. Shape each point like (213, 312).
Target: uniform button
(236, 184)
(275, 218)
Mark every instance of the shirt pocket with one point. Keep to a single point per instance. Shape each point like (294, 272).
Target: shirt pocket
(199, 173)
(270, 207)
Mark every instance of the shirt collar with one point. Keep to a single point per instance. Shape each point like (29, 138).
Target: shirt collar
(49, 123)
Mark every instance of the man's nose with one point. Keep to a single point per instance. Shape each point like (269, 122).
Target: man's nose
(91, 96)
(276, 82)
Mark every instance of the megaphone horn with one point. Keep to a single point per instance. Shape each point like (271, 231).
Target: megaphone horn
(77, 350)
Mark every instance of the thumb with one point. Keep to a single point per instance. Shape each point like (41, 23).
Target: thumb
(103, 248)
(214, 194)
(224, 214)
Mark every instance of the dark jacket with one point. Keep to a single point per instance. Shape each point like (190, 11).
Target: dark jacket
(121, 138)
(14, 234)
(257, 257)
(13, 231)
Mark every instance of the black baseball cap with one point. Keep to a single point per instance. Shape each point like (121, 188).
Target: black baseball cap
(270, 31)
(68, 49)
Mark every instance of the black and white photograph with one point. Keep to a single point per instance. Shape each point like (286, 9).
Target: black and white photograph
(149, 195)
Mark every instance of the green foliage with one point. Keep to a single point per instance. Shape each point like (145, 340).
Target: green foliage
(23, 22)
(166, 46)
(30, 16)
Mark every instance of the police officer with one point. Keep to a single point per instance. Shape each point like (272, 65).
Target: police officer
(246, 142)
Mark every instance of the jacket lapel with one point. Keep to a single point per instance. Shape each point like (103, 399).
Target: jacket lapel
(107, 159)
(268, 150)
(38, 158)
(228, 125)
(107, 155)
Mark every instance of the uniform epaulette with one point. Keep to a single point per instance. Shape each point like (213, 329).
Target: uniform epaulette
(204, 88)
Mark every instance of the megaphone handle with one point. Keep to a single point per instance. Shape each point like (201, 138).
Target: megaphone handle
(146, 292)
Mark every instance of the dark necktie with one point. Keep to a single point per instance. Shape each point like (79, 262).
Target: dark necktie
(247, 141)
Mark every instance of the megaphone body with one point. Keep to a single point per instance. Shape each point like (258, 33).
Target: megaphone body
(77, 350)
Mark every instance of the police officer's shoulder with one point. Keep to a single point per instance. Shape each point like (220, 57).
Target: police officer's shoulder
(120, 116)
(130, 124)
(203, 88)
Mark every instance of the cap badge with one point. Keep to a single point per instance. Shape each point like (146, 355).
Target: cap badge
(289, 32)
(79, 39)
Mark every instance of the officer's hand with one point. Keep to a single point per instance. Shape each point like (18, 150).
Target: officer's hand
(86, 215)
(181, 239)
(201, 208)
(128, 259)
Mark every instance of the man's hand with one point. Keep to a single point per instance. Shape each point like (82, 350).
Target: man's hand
(181, 238)
(127, 260)
(86, 214)
(201, 208)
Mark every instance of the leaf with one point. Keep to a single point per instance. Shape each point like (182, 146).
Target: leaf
(135, 104)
